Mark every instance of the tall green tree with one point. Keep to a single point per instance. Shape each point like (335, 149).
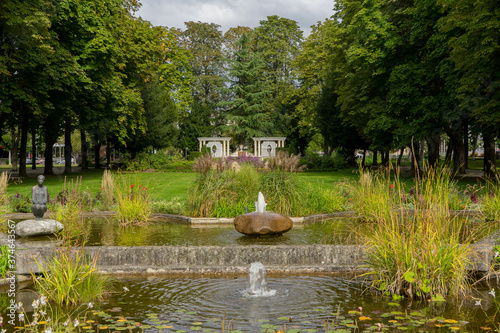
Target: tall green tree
(279, 40)
(246, 115)
(475, 51)
(204, 42)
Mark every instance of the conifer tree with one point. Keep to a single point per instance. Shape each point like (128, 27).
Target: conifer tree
(247, 113)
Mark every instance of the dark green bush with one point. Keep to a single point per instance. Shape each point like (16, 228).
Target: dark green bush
(161, 161)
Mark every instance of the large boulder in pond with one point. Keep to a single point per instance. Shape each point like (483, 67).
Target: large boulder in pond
(29, 228)
(257, 224)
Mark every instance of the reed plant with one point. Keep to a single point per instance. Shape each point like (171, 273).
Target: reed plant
(219, 191)
(284, 162)
(4, 182)
(70, 278)
(133, 204)
(422, 253)
(372, 196)
(71, 204)
(108, 189)
(490, 205)
(210, 190)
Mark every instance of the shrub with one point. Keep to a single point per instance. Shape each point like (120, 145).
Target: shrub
(19, 204)
(167, 160)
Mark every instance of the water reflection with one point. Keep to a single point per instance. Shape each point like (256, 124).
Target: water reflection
(158, 233)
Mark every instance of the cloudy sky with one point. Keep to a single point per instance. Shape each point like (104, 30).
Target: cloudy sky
(231, 13)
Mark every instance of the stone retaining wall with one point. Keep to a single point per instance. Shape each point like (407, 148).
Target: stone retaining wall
(208, 259)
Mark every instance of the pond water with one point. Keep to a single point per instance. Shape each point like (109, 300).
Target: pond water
(158, 233)
(304, 303)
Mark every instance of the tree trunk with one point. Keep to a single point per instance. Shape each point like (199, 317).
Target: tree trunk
(489, 166)
(474, 147)
(385, 157)
(364, 159)
(33, 145)
(49, 143)
(433, 143)
(458, 153)
(449, 153)
(400, 157)
(68, 149)
(85, 156)
(375, 158)
(108, 153)
(24, 142)
(15, 144)
(97, 157)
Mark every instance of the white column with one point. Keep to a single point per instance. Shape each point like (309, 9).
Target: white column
(10, 157)
(224, 149)
(200, 145)
(259, 153)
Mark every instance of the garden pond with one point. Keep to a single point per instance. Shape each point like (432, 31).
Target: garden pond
(300, 303)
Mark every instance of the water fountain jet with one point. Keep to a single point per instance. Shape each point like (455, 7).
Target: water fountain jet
(256, 283)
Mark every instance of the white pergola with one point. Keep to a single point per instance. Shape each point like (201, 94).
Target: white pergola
(219, 146)
(266, 146)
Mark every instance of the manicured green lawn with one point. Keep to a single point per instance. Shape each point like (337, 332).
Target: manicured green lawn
(166, 185)
(162, 185)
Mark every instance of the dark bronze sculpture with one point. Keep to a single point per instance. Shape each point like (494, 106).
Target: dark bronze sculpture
(39, 197)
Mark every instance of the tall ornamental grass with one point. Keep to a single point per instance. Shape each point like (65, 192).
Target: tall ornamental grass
(418, 250)
(133, 203)
(220, 191)
(71, 204)
(108, 189)
(372, 196)
(4, 182)
(70, 278)
(490, 205)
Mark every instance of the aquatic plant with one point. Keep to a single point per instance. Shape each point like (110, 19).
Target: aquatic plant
(173, 206)
(490, 205)
(422, 253)
(4, 182)
(71, 204)
(4, 260)
(70, 278)
(107, 189)
(133, 204)
(373, 195)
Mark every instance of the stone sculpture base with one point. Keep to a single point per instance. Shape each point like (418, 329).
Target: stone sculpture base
(257, 224)
(29, 228)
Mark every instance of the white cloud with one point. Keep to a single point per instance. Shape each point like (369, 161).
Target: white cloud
(231, 13)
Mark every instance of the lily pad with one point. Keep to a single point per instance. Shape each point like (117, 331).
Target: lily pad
(195, 328)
